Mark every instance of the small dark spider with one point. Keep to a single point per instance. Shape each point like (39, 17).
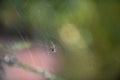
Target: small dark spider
(52, 46)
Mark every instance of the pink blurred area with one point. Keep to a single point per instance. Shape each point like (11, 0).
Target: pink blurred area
(37, 57)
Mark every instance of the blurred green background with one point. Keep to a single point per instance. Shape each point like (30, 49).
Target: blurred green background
(88, 31)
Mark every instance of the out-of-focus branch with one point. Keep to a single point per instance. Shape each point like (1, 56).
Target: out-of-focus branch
(14, 62)
(40, 72)
(11, 60)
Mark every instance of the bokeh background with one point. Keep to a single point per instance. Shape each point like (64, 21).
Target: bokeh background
(88, 32)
